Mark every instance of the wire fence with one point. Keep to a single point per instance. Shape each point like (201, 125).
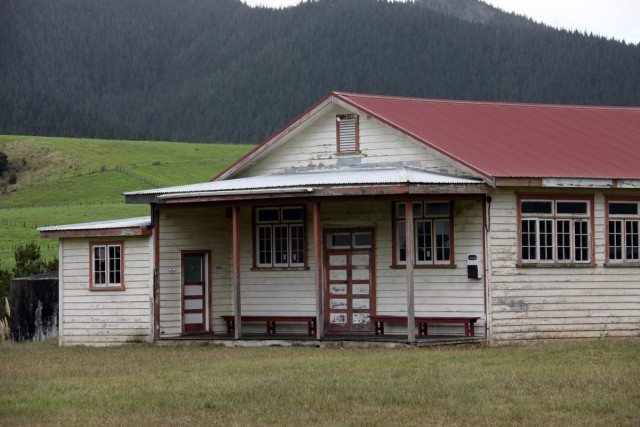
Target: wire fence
(23, 224)
(34, 182)
(54, 205)
(137, 176)
(43, 247)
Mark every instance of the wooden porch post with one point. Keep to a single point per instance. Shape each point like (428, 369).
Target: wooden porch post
(410, 246)
(235, 276)
(156, 272)
(317, 246)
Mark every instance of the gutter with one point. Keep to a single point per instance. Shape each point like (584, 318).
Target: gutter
(235, 192)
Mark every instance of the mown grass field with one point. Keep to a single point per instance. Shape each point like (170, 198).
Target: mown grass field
(594, 383)
(69, 180)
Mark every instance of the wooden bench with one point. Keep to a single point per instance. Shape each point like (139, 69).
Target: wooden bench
(422, 322)
(271, 322)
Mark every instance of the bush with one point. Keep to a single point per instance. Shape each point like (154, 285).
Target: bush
(13, 179)
(4, 163)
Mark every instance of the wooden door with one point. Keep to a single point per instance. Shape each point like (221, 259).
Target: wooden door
(194, 290)
(350, 291)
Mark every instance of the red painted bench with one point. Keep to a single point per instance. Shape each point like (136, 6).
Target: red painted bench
(271, 322)
(380, 320)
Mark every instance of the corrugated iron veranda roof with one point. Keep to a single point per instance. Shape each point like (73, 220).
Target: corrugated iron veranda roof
(336, 177)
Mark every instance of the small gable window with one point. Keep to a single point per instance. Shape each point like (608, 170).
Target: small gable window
(347, 133)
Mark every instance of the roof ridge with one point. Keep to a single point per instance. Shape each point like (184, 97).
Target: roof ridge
(477, 102)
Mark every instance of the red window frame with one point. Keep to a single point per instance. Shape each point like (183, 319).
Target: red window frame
(554, 217)
(107, 286)
(396, 263)
(607, 218)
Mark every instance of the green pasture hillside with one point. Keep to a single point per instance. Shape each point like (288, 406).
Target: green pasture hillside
(70, 180)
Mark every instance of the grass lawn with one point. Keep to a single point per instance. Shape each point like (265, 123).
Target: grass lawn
(571, 383)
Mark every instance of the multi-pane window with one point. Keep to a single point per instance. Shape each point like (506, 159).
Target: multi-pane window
(347, 133)
(432, 229)
(624, 225)
(555, 231)
(106, 265)
(280, 237)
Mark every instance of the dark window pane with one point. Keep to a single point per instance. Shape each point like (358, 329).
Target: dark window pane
(437, 209)
(280, 241)
(293, 214)
(193, 268)
(423, 241)
(340, 240)
(362, 240)
(268, 215)
(619, 208)
(615, 239)
(528, 239)
(402, 242)
(297, 244)
(572, 207)
(264, 245)
(539, 207)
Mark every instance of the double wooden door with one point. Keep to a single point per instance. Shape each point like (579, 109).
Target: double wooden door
(350, 280)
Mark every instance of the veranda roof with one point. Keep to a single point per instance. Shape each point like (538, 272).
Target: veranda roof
(306, 181)
(139, 226)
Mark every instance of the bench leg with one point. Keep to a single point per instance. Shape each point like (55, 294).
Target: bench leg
(472, 328)
(312, 327)
(422, 329)
(271, 327)
(379, 327)
(231, 326)
(467, 332)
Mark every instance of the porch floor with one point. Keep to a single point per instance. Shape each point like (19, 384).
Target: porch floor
(299, 340)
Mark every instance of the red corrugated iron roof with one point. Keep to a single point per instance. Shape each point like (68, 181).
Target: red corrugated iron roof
(517, 140)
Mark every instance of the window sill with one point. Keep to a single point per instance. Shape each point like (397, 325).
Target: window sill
(105, 289)
(556, 265)
(279, 268)
(425, 267)
(634, 264)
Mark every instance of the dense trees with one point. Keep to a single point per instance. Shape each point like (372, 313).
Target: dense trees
(217, 70)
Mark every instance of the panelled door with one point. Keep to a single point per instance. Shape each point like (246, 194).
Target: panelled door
(194, 292)
(350, 280)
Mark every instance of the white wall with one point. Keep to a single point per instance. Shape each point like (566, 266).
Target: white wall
(314, 146)
(105, 317)
(551, 303)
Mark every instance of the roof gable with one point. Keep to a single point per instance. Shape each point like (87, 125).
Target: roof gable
(495, 140)
(309, 144)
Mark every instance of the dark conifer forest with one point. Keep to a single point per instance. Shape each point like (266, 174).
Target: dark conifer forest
(220, 71)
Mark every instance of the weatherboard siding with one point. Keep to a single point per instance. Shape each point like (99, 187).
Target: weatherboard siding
(199, 229)
(314, 146)
(105, 317)
(439, 292)
(554, 303)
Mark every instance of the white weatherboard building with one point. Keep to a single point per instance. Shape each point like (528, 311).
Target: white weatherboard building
(524, 225)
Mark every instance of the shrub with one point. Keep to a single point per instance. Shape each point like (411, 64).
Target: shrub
(4, 163)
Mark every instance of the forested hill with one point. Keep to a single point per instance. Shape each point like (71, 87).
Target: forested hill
(218, 70)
